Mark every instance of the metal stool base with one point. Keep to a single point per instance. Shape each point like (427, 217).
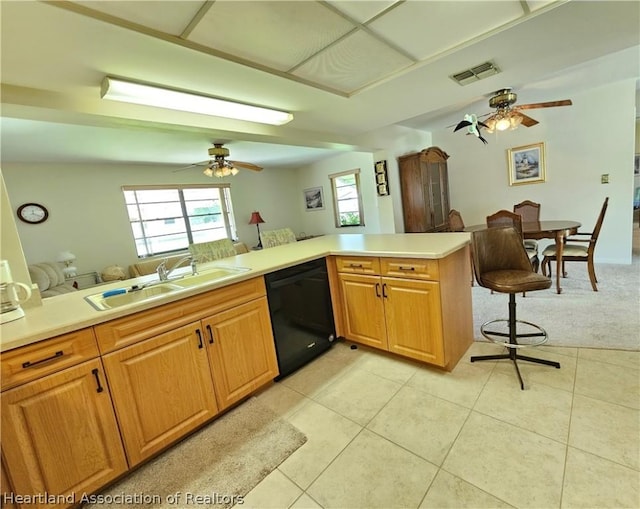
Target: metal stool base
(513, 344)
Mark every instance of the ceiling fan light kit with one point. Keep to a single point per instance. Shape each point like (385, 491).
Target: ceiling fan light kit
(149, 95)
(224, 170)
(219, 166)
(505, 117)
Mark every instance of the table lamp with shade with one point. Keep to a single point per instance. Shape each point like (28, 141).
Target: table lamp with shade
(257, 219)
(67, 258)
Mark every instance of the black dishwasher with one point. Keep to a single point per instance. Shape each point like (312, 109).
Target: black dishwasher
(301, 313)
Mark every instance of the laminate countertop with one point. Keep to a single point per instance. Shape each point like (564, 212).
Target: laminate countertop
(69, 312)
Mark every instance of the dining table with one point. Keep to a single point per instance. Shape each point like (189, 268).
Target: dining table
(557, 230)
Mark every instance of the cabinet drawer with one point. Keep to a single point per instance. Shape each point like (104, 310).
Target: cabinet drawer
(130, 329)
(412, 268)
(38, 359)
(358, 264)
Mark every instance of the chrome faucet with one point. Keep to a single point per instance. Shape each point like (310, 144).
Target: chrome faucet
(163, 273)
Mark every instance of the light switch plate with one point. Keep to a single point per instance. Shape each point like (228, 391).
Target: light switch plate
(604, 178)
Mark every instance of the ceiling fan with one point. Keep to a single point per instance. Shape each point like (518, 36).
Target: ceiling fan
(220, 166)
(508, 116)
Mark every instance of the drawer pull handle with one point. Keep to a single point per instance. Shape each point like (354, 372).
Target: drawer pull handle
(30, 364)
(406, 268)
(210, 334)
(378, 290)
(384, 291)
(355, 265)
(95, 373)
(200, 344)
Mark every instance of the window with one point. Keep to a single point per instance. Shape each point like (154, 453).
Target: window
(169, 218)
(347, 199)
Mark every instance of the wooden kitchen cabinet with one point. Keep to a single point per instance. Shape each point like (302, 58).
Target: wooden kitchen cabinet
(414, 307)
(241, 350)
(414, 324)
(425, 190)
(6, 490)
(363, 309)
(161, 389)
(174, 376)
(402, 316)
(59, 434)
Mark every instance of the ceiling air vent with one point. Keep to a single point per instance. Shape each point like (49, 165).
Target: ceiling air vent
(475, 73)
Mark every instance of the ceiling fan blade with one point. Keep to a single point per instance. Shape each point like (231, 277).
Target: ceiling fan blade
(246, 166)
(550, 104)
(194, 165)
(527, 121)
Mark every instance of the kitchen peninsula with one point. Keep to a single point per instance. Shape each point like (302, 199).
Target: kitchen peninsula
(201, 348)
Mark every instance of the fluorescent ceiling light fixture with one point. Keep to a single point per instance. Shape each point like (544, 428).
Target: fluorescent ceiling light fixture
(137, 93)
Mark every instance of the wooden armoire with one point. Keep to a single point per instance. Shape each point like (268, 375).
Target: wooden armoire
(425, 190)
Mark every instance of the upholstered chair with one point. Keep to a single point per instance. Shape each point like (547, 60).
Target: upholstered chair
(507, 218)
(50, 279)
(501, 264)
(214, 250)
(272, 238)
(529, 211)
(577, 249)
(456, 224)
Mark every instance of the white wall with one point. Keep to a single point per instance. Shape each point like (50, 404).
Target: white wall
(315, 175)
(594, 136)
(87, 215)
(11, 247)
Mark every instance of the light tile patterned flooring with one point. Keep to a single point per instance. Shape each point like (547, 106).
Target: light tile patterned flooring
(387, 432)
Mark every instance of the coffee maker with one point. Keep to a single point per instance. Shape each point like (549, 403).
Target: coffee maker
(12, 294)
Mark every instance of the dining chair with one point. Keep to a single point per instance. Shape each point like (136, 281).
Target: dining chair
(577, 249)
(508, 218)
(456, 224)
(529, 211)
(272, 238)
(501, 264)
(208, 251)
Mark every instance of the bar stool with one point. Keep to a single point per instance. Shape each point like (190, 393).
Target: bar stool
(501, 264)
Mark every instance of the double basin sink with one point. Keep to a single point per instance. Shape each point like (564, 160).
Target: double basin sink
(154, 290)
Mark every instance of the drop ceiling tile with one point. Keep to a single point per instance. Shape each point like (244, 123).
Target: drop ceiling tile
(534, 5)
(354, 62)
(425, 29)
(171, 17)
(279, 35)
(362, 11)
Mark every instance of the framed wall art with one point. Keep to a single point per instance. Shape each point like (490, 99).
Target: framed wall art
(314, 198)
(382, 186)
(527, 164)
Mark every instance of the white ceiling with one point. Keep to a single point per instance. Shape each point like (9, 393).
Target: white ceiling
(343, 68)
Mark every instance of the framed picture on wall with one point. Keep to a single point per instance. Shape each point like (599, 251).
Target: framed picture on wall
(527, 164)
(314, 198)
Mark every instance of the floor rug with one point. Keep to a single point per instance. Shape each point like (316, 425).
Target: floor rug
(214, 467)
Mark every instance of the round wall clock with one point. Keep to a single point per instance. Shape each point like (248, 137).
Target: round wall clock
(33, 213)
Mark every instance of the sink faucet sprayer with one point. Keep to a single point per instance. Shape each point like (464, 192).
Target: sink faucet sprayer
(164, 274)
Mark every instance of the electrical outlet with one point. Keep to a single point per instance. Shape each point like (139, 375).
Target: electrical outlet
(604, 178)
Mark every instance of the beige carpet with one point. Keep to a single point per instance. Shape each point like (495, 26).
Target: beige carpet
(578, 317)
(214, 467)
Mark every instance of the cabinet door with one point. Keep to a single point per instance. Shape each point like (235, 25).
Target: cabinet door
(413, 317)
(241, 350)
(363, 309)
(59, 434)
(438, 194)
(161, 389)
(5, 490)
(415, 201)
